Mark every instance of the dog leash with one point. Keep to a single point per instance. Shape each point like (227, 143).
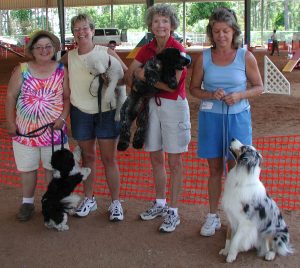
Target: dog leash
(100, 86)
(225, 136)
(34, 134)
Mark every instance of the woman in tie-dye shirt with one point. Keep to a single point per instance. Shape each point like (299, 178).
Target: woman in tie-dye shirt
(37, 95)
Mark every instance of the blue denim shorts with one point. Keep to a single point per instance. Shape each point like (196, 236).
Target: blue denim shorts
(216, 129)
(90, 126)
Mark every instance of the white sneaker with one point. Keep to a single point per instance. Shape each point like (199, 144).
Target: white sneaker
(170, 222)
(212, 223)
(86, 206)
(154, 211)
(116, 211)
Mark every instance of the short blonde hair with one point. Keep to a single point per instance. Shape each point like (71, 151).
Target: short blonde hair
(223, 14)
(82, 17)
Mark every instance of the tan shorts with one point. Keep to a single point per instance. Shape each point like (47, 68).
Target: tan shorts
(28, 158)
(169, 126)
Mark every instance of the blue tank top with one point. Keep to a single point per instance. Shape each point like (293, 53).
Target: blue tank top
(232, 78)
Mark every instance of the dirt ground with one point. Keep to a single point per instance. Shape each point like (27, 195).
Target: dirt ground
(95, 242)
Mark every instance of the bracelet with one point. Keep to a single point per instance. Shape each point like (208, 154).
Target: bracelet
(63, 119)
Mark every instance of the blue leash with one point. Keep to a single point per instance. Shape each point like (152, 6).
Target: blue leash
(225, 137)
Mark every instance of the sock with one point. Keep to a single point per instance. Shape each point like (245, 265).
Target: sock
(161, 202)
(175, 210)
(28, 200)
(212, 215)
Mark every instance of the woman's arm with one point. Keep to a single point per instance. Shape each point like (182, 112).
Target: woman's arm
(113, 53)
(253, 76)
(139, 73)
(64, 59)
(59, 122)
(130, 73)
(196, 82)
(124, 67)
(13, 90)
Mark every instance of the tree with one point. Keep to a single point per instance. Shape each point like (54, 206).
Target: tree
(23, 18)
(129, 17)
(200, 11)
(286, 14)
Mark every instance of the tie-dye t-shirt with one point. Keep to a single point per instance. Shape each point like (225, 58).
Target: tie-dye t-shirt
(39, 103)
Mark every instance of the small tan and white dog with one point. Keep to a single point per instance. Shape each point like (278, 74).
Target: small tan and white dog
(112, 94)
(255, 220)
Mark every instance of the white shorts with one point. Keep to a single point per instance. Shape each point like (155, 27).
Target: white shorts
(169, 126)
(28, 158)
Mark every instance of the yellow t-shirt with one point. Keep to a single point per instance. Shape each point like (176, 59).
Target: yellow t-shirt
(80, 81)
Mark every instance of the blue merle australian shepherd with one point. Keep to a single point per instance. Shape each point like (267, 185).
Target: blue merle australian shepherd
(255, 219)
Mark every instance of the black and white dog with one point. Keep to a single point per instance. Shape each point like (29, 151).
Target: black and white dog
(58, 201)
(255, 219)
(161, 68)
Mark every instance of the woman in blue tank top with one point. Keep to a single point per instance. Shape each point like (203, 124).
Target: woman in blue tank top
(219, 79)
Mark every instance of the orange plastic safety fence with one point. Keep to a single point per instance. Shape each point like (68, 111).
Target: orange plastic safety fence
(280, 170)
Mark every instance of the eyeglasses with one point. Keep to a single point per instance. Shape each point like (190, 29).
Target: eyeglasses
(40, 48)
(84, 28)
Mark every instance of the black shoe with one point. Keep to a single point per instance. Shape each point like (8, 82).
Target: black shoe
(26, 211)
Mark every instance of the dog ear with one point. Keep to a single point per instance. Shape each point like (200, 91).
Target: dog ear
(259, 157)
(185, 59)
(233, 153)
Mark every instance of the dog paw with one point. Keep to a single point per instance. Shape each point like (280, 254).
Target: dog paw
(137, 144)
(231, 258)
(173, 84)
(85, 171)
(62, 227)
(122, 145)
(109, 96)
(117, 117)
(48, 225)
(270, 256)
(223, 252)
(71, 211)
(77, 153)
(65, 228)
(56, 174)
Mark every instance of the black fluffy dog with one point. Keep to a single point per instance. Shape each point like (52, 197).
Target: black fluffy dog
(58, 201)
(160, 68)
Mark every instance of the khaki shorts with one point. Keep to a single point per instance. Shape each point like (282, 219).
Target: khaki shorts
(169, 126)
(28, 158)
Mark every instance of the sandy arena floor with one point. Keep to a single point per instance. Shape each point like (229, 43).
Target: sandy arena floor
(95, 242)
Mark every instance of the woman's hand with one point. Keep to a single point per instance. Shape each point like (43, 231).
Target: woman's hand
(59, 123)
(218, 94)
(232, 98)
(129, 74)
(139, 73)
(105, 79)
(12, 129)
